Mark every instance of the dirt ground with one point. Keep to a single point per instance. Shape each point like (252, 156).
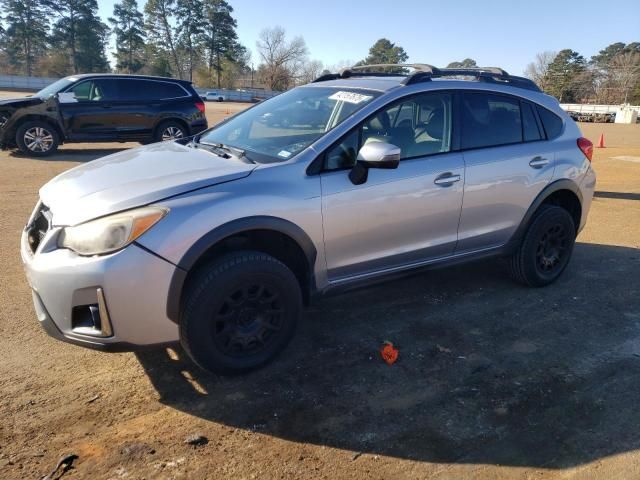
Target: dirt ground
(493, 381)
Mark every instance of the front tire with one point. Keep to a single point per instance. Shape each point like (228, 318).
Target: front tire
(240, 312)
(37, 139)
(546, 248)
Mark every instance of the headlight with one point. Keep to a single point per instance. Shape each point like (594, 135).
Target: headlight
(111, 233)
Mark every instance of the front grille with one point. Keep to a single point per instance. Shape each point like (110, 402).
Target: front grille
(38, 227)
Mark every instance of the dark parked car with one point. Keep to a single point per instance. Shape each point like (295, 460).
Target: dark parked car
(101, 108)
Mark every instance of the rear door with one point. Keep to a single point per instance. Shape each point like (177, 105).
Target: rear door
(135, 110)
(145, 102)
(508, 162)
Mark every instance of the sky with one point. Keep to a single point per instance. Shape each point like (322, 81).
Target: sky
(495, 33)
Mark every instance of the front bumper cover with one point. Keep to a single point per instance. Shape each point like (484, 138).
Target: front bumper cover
(135, 285)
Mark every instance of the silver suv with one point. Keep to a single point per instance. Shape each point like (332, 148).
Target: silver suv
(218, 240)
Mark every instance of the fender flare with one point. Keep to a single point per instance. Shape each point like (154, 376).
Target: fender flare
(562, 184)
(208, 240)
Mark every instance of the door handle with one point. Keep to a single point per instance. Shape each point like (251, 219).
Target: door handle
(538, 162)
(446, 179)
(106, 105)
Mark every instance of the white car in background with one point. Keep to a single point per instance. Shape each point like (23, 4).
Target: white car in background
(214, 97)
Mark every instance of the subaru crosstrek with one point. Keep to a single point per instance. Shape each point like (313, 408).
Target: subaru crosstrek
(219, 240)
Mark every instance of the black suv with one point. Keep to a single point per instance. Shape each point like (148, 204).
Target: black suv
(101, 108)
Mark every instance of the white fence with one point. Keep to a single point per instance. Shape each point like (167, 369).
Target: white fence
(247, 95)
(18, 82)
(584, 108)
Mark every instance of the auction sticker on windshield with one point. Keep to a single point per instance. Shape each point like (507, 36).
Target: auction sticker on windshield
(350, 97)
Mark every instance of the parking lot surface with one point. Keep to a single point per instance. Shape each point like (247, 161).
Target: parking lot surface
(494, 380)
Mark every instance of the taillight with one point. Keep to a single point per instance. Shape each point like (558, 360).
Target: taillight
(586, 146)
(200, 106)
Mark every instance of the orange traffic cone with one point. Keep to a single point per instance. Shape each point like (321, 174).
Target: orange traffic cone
(601, 142)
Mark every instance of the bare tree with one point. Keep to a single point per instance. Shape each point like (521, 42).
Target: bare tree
(281, 59)
(309, 71)
(336, 67)
(624, 74)
(538, 69)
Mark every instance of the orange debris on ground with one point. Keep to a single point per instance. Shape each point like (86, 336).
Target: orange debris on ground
(389, 353)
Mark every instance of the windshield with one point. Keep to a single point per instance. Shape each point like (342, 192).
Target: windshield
(277, 129)
(54, 88)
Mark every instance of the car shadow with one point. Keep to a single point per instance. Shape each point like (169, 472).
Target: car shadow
(488, 372)
(74, 154)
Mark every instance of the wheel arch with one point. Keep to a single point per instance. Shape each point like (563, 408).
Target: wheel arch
(275, 236)
(564, 193)
(32, 117)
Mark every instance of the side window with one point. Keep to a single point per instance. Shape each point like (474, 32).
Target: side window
(165, 90)
(132, 89)
(82, 91)
(490, 120)
(551, 122)
(104, 90)
(92, 91)
(343, 154)
(530, 128)
(396, 125)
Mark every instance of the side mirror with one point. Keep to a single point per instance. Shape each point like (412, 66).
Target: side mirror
(374, 155)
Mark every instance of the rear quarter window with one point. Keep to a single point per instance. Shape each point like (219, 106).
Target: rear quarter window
(131, 89)
(551, 122)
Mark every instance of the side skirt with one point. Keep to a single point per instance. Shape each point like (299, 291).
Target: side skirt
(371, 278)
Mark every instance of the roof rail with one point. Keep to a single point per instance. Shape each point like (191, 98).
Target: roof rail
(418, 67)
(355, 71)
(424, 73)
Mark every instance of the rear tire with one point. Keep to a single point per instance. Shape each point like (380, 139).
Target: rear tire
(170, 130)
(546, 248)
(240, 311)
(37, 139)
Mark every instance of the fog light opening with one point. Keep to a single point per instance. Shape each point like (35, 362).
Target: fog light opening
(92, 319)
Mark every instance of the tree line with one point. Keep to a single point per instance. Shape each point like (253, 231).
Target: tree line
(610, 77)
(188, 39)
(197, 40)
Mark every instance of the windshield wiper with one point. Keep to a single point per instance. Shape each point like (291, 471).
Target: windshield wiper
(225, 151)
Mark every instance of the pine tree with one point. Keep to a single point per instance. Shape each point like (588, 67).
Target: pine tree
(82, 34)
(565, 74)
(190, 28)
(128, 27)
(220, 37)
(384, 51)
(159, 17)
(466, 63)
(25, 37)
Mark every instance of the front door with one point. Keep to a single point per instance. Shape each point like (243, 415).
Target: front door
(86, 110)
(397, 218)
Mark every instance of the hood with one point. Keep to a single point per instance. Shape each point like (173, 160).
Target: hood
(20, 102)
(134, 178)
